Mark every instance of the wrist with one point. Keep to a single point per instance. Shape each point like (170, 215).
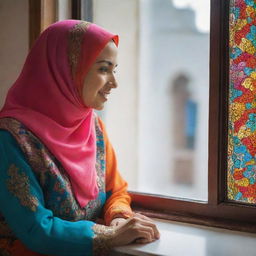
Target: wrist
(117, 222)
(103, 240)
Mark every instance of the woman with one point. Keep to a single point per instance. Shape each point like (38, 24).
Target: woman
(58, 172)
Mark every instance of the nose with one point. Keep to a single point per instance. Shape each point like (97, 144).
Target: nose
(112, 82)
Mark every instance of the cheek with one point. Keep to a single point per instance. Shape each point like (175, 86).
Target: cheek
(98, 84)
(93, 87)
(92, 84)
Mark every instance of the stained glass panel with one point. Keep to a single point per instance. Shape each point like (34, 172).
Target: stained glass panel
(242, 102)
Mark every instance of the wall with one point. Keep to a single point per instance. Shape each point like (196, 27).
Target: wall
(13, 42)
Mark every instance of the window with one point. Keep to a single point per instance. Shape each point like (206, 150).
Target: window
(154, 58)
(218, 210)
(223, 208)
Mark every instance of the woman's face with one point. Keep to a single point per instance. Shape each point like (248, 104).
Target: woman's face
(101, 78)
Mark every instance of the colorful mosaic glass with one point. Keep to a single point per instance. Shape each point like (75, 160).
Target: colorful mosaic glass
(242, 102)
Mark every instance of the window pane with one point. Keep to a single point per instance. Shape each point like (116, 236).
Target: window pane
(158, 117)
(242, 103)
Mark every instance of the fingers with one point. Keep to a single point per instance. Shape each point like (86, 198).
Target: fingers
(142, 223)
(144, 237)
(142, 241)
(132, 230)
(143, 216)
(145, 232)
(138, 229)
(148, 222)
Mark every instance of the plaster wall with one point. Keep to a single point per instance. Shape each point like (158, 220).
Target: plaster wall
(13, 41)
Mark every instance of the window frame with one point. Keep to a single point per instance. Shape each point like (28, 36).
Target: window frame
(42, 13)
(218, 211)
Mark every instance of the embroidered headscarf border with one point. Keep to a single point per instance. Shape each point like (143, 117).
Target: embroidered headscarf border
(75, 40)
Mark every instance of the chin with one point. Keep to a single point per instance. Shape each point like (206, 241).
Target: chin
(99, 107)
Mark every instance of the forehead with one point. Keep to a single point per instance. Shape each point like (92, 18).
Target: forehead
(109, 52)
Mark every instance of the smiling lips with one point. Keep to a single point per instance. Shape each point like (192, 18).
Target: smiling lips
(104, 95)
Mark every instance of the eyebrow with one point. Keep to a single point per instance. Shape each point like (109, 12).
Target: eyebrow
(106, 61)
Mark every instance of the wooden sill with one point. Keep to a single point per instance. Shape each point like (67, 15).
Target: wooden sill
(201, 220)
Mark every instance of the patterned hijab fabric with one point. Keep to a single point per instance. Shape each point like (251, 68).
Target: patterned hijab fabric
(46, 98)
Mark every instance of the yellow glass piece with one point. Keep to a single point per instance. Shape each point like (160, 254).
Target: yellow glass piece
(243, 132)
(248, 83)
(244, 182)
(236, 111)
(249, 10)
(240, 24)
(247, 46)
(253, 75)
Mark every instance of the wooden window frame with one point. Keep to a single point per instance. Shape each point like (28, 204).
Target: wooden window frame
(42, 13)
(217, 211)
(82, 9)
(76, 6)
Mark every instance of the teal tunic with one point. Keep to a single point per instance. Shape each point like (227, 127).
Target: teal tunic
(37, 205)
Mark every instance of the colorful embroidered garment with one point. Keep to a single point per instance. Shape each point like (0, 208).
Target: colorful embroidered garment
(37, 205)
(242, 102)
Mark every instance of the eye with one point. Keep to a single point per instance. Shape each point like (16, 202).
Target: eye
(103, 69)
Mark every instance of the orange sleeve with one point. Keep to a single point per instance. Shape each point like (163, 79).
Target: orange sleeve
(118, 199)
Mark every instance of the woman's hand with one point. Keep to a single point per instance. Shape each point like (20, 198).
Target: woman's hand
(117, 221)
(139, 229)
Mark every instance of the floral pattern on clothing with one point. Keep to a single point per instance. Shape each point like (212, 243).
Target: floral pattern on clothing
(6, 232)
(102, 240)
(18, 185)
(242, 102)
(55, 184)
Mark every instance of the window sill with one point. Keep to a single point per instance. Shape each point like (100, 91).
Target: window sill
(180, 239)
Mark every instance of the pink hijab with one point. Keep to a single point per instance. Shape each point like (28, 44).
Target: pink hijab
(46, 99)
